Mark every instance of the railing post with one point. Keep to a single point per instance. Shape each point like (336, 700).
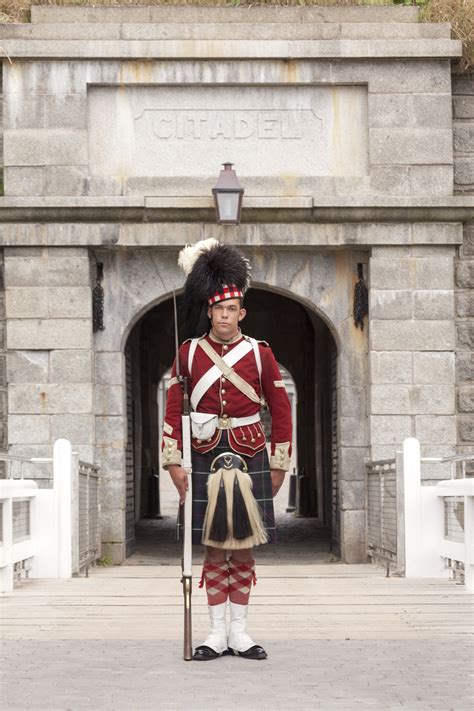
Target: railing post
(412, 505)
(400, 489)
(6, 571)
(469, 543)
(423, 519)
(88, 515)
(62, 474)
(75, 514)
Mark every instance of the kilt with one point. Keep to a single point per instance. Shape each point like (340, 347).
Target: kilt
(259, 471)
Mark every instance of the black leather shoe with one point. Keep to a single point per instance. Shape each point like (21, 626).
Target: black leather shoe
(203, 653)
(255, 652)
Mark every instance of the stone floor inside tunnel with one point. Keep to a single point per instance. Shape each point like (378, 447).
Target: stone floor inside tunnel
(300, 540)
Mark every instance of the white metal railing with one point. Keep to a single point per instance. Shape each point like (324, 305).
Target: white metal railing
(383, 526)
(40, 528)
(439, 519)
(17, 542)
(89, 512)
(424, 531)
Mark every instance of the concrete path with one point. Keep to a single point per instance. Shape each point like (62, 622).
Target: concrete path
(338, 637)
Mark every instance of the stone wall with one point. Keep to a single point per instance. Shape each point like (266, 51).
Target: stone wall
(1, 129)
(143, 109)
(3, 368)
(49, 357)
(412, 344)
(463, 115)
(463, 129)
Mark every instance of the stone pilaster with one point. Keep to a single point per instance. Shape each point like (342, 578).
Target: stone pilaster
(3, 368)
(412, 344)
(465, 340)
(463, 127)
(49, 357)
(463, 130)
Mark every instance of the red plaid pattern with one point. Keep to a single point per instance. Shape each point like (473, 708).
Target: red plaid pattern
(216, 577)
(227, 292)
(241, 576)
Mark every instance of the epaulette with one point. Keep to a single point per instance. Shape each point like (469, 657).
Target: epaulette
(188, 340)
(264, 343)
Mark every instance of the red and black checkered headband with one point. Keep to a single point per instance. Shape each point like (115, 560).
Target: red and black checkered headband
(230, 291)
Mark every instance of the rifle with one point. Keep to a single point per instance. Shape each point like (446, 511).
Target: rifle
(187, 559)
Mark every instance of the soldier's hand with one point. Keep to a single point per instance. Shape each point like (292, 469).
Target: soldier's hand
(179, 477)
(278, 477)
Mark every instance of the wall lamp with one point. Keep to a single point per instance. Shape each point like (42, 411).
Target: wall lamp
(228, 197)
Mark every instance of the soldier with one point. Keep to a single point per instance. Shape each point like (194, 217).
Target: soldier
(230, 377)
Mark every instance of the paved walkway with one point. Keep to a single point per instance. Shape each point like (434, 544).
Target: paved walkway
(338, 636)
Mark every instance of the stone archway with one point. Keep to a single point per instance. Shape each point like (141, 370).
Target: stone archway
(137, 282)
(301, 342)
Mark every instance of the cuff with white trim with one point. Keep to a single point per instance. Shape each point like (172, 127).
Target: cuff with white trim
(170, 453)
(281, 458)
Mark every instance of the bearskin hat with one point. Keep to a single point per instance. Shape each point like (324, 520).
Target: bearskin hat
(215, 272)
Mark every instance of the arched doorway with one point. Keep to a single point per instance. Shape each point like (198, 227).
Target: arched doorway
(303, 345)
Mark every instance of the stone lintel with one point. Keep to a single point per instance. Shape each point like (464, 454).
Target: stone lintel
(245, 30)
(232, 49)
(302, 209)
(265, 235)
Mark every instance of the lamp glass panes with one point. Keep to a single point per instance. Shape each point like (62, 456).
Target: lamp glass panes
(228, 197)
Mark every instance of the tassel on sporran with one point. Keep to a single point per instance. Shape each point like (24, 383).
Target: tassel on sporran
(230, 491)
(219, 528)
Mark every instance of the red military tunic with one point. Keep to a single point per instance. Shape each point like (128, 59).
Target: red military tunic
(225, 399)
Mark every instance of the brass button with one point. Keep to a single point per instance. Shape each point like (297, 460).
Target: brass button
(226, 348)
(224, 402)
(223, 391)
(223, 379)
(225, 416)
(198, 441)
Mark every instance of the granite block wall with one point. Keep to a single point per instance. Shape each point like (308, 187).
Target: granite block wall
(3, 370)
(412, 352)
(463, 128)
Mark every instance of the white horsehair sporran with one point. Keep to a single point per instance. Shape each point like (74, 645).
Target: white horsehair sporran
(233, 518)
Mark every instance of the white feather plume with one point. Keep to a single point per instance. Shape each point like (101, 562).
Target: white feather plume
(189, 254)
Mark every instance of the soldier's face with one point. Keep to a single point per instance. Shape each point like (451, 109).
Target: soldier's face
(225, 318)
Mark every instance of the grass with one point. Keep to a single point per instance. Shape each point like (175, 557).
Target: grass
(460, 13)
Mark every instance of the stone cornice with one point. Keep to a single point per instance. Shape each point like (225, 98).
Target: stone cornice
(281, 235)
(230, 49)
(255, 209)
